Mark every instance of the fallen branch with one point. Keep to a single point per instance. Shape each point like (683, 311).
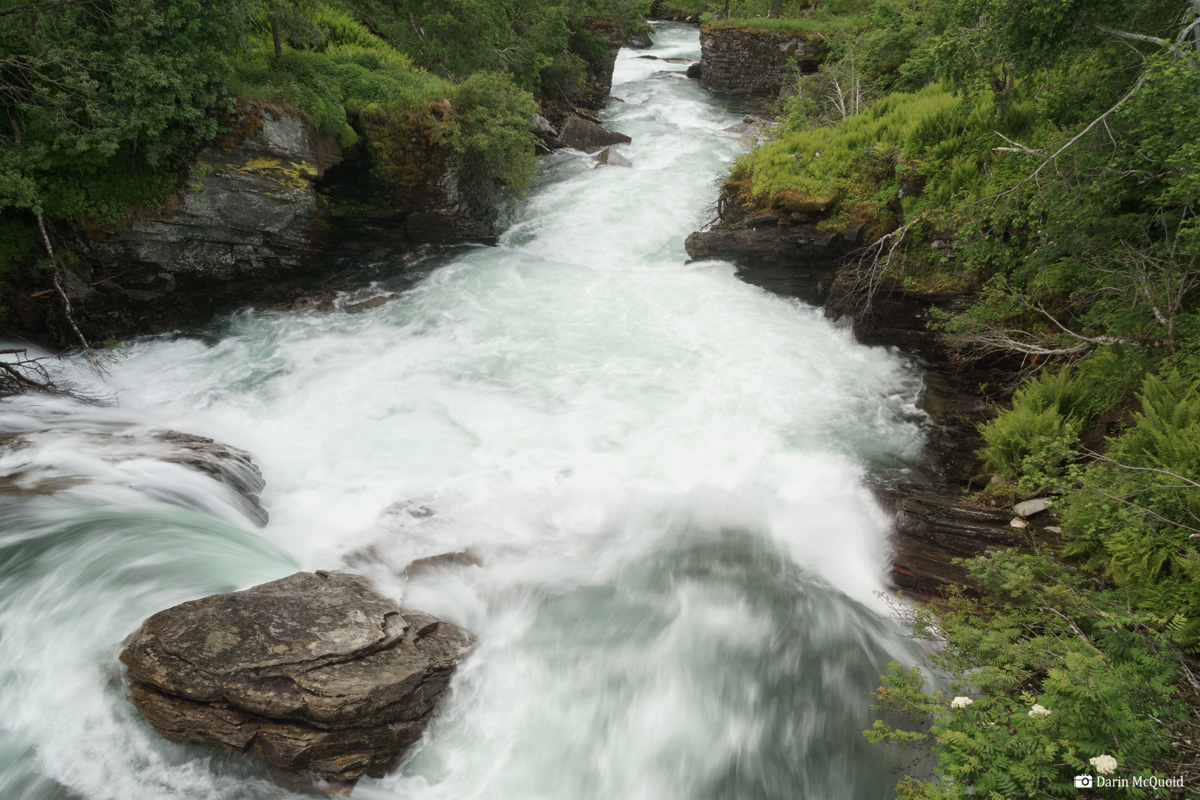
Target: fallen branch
(66, 301)
(873, 265)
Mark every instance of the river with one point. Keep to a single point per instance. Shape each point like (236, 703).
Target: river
(660, 468)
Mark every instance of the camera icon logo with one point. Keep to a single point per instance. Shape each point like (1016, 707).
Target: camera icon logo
(1083, 781)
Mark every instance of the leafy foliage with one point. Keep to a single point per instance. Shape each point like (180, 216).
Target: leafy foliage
(1040, 641)
(1035, 437)
(1133, 517)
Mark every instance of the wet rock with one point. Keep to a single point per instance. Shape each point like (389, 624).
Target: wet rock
(695, 71)
(795, 260)
(316, 674)
(229, 465)
(582, 134)
(367, 305)
(611, 158)
(461, 558)
(233, 467)
(440, 227)
(639, 41)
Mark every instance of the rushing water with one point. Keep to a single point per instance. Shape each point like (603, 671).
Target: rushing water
(660, 469)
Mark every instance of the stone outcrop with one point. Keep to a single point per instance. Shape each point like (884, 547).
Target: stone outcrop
(582, 134)
(794, 243)
(265, 207)
(229, 465)
(609, 157)
(754, 61)
(936, 524)
(316, 674)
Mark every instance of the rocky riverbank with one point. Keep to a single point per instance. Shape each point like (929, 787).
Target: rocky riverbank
(936, 521)
(273, 210)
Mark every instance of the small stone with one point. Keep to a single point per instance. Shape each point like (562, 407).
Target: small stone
(1030, 507)
(1017, 522)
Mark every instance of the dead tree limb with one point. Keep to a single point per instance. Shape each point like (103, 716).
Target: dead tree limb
(58, 287)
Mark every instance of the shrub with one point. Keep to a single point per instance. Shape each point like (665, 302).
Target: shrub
(1040, 640)
(1034, 439)
(1133, 519)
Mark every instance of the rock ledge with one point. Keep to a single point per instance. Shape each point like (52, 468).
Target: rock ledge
(315, 674)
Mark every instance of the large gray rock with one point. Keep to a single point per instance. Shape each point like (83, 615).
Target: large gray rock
(316, 674)
(608, 157)
(581, 134)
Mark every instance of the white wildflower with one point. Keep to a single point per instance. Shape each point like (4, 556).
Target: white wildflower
(1105, 765)
(1039, 710)
(961, 702)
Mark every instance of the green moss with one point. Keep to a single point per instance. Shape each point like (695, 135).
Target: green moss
(288, 173)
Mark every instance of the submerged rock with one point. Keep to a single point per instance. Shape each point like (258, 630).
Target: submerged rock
(367, 305)
(316, 674)
(233, 467)
(582, 134)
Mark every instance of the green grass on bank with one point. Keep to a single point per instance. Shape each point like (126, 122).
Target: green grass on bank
(350, 71)
(824, 20)
(933, 140)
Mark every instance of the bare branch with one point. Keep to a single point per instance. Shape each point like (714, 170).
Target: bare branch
(1101, 457)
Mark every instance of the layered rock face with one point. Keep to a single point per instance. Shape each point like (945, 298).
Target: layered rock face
(316, 674)
(250, 216)
(255, 210)
(753, 61)
(801, 252)
(265, 207)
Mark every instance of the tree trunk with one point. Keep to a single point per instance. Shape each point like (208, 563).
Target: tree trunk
(275, 31)
(1194, 20)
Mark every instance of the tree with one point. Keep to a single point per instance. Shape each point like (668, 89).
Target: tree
(291, 19)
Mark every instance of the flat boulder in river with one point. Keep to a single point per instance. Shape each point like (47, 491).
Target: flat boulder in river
(316, 674)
